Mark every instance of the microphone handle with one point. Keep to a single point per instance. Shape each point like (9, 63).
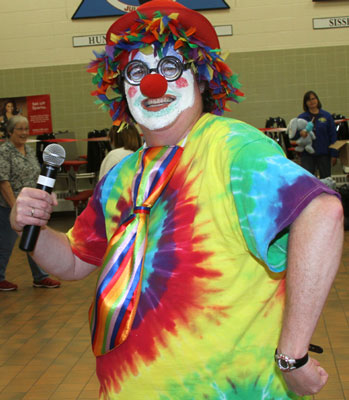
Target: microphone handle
(45, 182)
(29, 237)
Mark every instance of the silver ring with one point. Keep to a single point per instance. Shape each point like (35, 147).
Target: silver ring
(33, 211)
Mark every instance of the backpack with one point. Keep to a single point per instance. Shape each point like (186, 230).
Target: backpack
(342, 127)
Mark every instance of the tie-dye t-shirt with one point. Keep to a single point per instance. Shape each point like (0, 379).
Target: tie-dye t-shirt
(213, 287)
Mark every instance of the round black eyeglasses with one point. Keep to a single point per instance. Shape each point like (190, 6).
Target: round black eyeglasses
(171, 68)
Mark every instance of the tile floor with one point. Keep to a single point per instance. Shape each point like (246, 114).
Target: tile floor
(45, 349)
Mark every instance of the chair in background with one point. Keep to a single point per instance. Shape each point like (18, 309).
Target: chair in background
(80, 200)
(280, 137)
(86, 169)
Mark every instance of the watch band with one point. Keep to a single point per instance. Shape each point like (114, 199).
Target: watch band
(286, 363)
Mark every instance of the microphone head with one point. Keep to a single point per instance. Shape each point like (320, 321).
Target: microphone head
(54, 154)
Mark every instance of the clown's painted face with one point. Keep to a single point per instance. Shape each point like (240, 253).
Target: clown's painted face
(160, 112)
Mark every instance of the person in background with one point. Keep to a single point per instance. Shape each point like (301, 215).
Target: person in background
(325, 132)
(194, 232)
(124, 142)
(18, 168)
(8, 111)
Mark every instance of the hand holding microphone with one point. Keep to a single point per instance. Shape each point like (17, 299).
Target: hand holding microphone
(53, 157)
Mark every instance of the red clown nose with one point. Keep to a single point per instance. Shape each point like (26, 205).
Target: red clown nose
(153, 86)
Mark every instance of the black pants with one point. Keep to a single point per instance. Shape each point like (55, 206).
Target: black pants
(312, 163)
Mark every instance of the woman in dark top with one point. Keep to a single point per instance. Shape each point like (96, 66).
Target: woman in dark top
(325, 132)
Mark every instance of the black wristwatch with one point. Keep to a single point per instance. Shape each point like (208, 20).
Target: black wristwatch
(287, 364)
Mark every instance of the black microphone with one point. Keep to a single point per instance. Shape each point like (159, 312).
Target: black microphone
(53, 157)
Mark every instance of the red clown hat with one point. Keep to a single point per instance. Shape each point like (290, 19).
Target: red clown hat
(187, 17)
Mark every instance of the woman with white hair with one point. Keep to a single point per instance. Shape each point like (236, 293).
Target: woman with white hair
(18, 168)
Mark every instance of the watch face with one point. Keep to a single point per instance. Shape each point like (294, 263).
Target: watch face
(286, 363)
(283, 364)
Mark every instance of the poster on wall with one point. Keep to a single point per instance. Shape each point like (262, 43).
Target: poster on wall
(36, 108)
(107, 8)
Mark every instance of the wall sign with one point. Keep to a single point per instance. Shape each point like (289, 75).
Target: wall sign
(107, 8)
(39, 114)
(99, 40)
(36, 108)
(89, 40)
(330, 23)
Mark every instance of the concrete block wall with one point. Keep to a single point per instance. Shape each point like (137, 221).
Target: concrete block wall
(274, 49)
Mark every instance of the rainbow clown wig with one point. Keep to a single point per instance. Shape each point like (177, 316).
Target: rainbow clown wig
(162, 23)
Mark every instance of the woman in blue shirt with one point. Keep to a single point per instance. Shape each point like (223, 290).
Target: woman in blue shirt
(325, 132)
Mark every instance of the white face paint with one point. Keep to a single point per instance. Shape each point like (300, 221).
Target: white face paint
(161, 112)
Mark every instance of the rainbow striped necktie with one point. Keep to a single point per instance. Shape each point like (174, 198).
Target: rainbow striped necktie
(119, 283)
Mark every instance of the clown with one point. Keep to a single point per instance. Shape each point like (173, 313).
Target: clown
(162, 61)
(193, 233)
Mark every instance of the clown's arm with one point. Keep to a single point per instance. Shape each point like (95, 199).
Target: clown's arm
(314, 254)
(52, 251)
